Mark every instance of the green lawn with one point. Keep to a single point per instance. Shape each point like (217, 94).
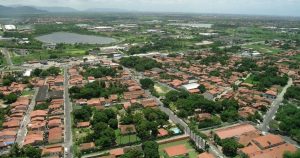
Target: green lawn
(296, 57)
(44, 55)
(264, 49)
(125, 139)
(161, 90)
(27, 92)
(250, 80)
(192, 152)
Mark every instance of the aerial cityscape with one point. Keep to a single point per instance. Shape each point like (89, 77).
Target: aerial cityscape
(149, 79)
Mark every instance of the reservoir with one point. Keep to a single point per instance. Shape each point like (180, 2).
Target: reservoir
(72, 38)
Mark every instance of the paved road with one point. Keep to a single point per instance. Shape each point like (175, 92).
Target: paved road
(274, 107)
(26, 119)
(67, 121)
(7, 56)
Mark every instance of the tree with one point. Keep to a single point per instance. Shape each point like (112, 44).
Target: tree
(229, 147)
(133, 153)
(146, 83)
(32, 152)
(292, 155)
(150, 149)
(11, 98)
(53, 70)
(113, 123)
(202, 88)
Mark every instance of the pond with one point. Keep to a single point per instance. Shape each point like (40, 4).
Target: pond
(72, 38)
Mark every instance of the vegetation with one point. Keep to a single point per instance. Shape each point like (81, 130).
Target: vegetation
(288, 118)
(292, 155)
(140, 64)
(99, 71)
(27, 151)
(150, 149)
(52, 71)
(292, 92)
(96, 89)
(229, 147)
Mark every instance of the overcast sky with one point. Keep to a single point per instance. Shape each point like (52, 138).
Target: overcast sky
(262, 7)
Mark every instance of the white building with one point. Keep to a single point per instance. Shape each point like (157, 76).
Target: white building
(190, 86)
(27, 73)
(10, 27)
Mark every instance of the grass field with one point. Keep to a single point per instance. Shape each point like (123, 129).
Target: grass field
(27, 92)
(43, 55)
(125, 139)
(192, 152)
(161, 90)
(264, 49)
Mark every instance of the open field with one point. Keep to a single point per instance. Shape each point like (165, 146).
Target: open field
(264, 49)
(161, 90)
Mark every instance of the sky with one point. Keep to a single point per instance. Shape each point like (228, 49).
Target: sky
(252, 7)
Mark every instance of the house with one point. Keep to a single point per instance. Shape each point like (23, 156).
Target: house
(12, 124)
(149, 103)
(83, 124)
(190, 86)
(270, 94)
(127, 129)
(38, 113)
(55, 135)
(86, 146)
(178, 150)
(8, 134)
(162, 132)
(117, 152)
(268, 146)
(234, 131)
(54, 123)
(54, 150)
(34, 139)
(203, 117)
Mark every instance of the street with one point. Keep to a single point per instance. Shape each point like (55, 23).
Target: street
(67, 121)
(274, 107)
(26, 119)
(7, 56)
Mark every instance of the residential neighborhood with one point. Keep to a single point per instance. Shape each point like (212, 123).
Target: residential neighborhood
(108, 83)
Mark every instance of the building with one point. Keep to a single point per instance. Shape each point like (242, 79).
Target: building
(234, 131)
(268, 146)
(10, 27)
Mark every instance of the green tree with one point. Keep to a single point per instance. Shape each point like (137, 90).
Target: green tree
(229, 147)
(292, 155)
(202, 88)
(113, 123)
(32, 152)
(146, 83)
(150, 149)
(11, 98)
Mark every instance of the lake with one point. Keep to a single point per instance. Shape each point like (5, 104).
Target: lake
(72, 38)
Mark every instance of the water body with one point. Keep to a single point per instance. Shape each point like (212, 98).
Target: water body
(72, 38)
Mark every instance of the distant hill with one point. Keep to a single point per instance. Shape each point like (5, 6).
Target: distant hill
(4, 10)
(58, 9)
(107, 10)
